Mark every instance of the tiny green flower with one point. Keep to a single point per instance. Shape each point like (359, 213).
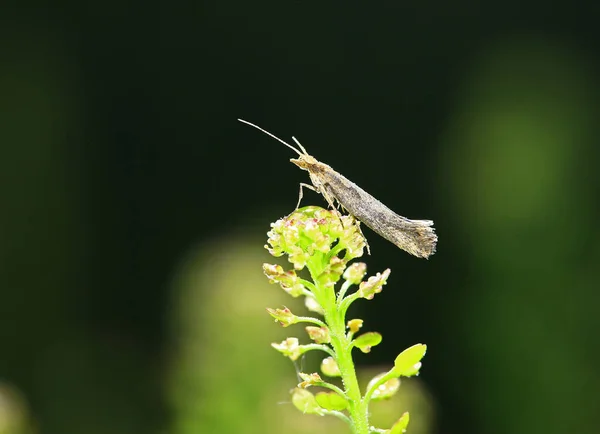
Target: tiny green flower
(385, 390)
(329, 367)
(285, 317)
(289, 348)
(337, 266)
(313, 379)
(315, 229)
(354, 325)
(374, 285)
(355, 272)
(319, 334)
(305, 401)
(311, 230)
(353, 240)
(288, 280)
(367, 341)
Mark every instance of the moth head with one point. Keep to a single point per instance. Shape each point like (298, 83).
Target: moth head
(305, 161)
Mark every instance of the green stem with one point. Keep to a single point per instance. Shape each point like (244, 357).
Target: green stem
(310, 320)
(320, 347)
(343, 350)
(339, 415)
(342, 347)
(347, 301)
(343, 290)
(331, 387)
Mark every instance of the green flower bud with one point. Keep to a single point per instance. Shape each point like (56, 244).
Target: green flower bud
(319, 334)
(352, 238)
(367, 341)
(355, 272)
(305, 401)
(354, 325)
(337, 266)
(289, 348)
(385, 390)
(312, 230)
(288, 280)
(374, 285)
(285, 317)
(330, 367)
(313, 379)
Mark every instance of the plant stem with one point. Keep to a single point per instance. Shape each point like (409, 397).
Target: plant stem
(343, 350)
(342, 346)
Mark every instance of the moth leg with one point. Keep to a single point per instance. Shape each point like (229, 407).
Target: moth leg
(300, 194)
(331, 203)
(339, 214)
(365, 238)
(341, 207)
(335, 209)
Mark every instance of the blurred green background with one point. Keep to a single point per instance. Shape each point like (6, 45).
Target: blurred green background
(135, 207)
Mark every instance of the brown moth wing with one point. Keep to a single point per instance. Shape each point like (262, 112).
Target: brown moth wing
(417, 237)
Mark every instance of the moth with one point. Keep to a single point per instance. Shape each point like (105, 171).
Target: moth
(416, 237)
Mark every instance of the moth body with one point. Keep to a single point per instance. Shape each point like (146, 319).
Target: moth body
(416, 237)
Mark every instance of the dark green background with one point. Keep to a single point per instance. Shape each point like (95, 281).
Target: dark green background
(120, 152)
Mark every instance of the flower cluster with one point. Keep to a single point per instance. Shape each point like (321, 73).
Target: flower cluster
(312, 233)
(324, 243)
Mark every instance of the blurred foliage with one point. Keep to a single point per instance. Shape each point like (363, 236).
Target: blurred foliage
(14, 414)
(119, 151)
(520, 184)
(225, 375)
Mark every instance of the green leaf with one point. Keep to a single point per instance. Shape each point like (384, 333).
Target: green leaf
(331, 401)
(400, 426)
(367, 340)
(408, 361)
(305, 401)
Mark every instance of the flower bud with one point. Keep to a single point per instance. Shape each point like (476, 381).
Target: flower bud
(374, 285)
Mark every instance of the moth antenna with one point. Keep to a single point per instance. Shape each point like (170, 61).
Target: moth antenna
(299, 144)
(274, 136)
